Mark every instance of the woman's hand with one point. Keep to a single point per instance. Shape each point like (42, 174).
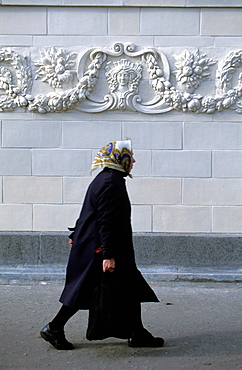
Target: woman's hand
(70, 242)
(109, 265)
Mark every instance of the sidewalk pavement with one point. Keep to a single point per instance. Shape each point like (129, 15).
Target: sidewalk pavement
(200, 322)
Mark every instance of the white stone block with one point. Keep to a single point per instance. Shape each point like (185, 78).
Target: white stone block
(31, 134)
(63, 41)
(227, 219)
(185, 41)
(219, 135)
(32, 2)
(84, 21)
(154, 191)
(181, 163)
(15, 217)
(212, 191)
(154, 135)
(31, 189)
(141, 219)
(74, 189)
(93, 134)
(214, 3)
(16, 40)
(22, 20)
(123, 21)
(142, 167)
(221, 22)
(93, 2)
(181, 219)
(15, 162)
(227, 163)
(1, 189)
(158, 3)
(228, 41)
(162, 21)
(54, 217)
(61, 162)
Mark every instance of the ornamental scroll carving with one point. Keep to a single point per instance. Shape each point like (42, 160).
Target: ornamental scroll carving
(121, 78)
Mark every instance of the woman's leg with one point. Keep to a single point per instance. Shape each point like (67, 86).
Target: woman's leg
(54, 331)
(135, 318)
(140, 337)
(62, 317)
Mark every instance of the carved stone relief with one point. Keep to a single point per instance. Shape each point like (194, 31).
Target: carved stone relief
(117, 78)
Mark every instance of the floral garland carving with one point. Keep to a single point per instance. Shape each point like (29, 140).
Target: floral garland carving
(56, 67)
(14, 94)
(192, 69)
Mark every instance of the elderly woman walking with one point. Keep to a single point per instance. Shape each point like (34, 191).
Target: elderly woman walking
(102, 247)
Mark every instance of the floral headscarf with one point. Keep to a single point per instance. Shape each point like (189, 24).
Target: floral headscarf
(116, 155)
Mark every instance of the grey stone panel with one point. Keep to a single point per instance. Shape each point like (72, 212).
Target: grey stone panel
(54, 248)
(152, 249)
(188, 250)
(18, 248)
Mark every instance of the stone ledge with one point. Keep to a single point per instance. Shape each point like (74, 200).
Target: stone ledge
(221, 251)
(125, 3)
(154, 274)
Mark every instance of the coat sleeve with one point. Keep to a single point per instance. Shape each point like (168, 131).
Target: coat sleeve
(108, 210)
(72, 229)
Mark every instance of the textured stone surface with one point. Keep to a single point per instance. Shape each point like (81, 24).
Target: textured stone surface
(15, 162)
(124, 21)
(227, 219)
(61, 162)
(142, 218)
(54, 217)
(212, 135)
(180, 219)
(155, 21)
(1, 191)
(31, 134)
(16, 217)
(27, 20)
(84, 21)
(74, 189)
(187, 177)
(188, 250)
(19, 248)
(155, 135)
(221, 23)
(32, 189)
(181, 163)
(154, 191)
(54, 249)
(77, 134)
(227, 163)
(212, 191)
(173, 251)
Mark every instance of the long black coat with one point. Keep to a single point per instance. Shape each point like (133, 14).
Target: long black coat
(104, 231)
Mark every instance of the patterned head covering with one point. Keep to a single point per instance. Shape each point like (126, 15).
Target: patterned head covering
(116, 155)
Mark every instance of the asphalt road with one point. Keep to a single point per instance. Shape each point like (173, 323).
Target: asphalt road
(200, 322)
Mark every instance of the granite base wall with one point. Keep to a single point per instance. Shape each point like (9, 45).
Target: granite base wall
(152, 249)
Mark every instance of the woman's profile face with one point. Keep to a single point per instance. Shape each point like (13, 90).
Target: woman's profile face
(131, 164)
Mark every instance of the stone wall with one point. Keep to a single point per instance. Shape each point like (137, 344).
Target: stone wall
(182, 112)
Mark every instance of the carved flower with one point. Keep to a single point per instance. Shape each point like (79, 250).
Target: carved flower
(176, 99)
(192, 69)
(209, 104)
(55, 67)
(5, 78)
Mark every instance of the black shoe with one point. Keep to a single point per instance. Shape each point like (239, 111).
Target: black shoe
(56, 338)
(145, 340)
